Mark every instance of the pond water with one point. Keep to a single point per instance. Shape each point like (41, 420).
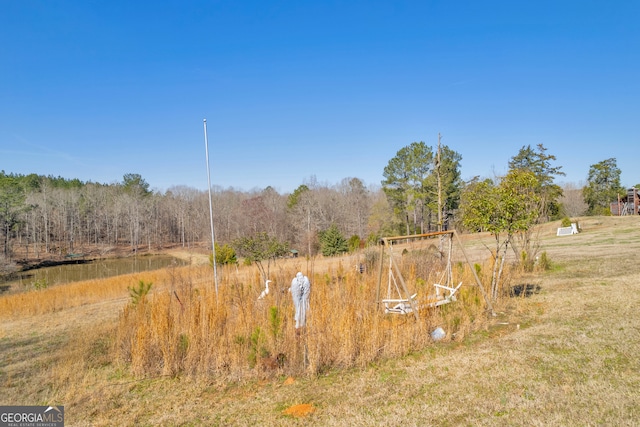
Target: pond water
(87, 270)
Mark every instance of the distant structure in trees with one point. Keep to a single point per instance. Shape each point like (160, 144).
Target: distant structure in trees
(627, 205)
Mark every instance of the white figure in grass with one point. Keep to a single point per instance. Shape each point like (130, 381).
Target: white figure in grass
(300, 290)
(265, 292)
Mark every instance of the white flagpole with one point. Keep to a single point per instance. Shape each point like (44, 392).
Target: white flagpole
(213, 245)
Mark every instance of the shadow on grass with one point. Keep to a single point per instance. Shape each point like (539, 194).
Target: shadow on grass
(525, 289)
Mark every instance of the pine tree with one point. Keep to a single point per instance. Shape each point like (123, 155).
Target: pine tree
(332, 242)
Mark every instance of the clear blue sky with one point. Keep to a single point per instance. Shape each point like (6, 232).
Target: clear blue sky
(331, 89)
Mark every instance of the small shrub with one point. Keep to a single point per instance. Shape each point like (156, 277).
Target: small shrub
(275, 321)
(544, 263)
(327, 279)
(257, 347)
(526, 262)
(240, 340)
(183, 344)
(41, 284)
(373, 239)
(566, 222)
(354, 243)
(478, 268)
(225, 255)
(138, 294)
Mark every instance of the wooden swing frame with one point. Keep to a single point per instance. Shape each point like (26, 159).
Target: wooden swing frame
(406, 302)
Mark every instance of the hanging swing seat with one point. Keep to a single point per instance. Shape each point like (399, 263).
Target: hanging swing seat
(439, 299)
(404, 305)
(399, 305)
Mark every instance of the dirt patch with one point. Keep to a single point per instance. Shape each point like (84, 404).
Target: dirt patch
(299, 411)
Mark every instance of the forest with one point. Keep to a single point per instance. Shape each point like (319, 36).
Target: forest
(422, 191)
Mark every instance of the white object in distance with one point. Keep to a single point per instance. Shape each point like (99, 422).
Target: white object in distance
(265, 292)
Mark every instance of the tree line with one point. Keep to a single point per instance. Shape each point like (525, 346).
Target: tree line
(422, 191)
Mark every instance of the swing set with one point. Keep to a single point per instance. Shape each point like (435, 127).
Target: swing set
(399, 299)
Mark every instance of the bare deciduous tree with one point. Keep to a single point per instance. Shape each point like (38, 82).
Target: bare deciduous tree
(572, 200)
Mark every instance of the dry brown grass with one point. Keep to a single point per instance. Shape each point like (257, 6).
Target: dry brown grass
(563, 356)
(189, 330)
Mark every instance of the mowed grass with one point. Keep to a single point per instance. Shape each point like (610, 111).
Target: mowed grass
(565, 355)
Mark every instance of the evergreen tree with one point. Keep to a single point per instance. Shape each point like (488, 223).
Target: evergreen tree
(538, 162)
(603, 187)
(225, 255)
(332, 242)
(407, 186)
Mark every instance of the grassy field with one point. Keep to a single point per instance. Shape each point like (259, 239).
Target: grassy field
(565, 354)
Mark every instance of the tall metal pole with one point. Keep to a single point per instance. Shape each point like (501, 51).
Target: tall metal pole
(439, 178)
(213, 245)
